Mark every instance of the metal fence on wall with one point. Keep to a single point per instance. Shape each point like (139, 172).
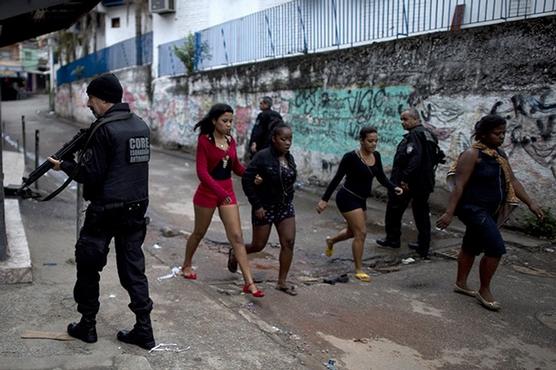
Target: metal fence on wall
(305, 26)
(168, 62)
(120, 55)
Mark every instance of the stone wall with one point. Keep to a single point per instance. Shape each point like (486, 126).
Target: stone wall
(71, 99)
(452, 78)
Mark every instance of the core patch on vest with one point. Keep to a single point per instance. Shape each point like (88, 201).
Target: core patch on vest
(138, 150)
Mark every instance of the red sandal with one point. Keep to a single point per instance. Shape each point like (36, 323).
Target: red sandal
(190, 275)
(257, 293)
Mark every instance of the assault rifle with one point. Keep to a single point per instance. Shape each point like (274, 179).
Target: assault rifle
(77, 143)
(67, 150)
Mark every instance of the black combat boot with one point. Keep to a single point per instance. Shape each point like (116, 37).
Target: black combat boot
(84, 329)
(141, 335)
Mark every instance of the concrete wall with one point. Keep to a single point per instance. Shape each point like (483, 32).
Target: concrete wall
(71, 99)
(452, 78)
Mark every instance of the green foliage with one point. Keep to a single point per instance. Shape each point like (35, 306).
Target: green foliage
(188, 52)
(545, 228)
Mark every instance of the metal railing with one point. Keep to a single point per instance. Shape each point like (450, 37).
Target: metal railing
(308, 26)
(168, 62)
(120, 55)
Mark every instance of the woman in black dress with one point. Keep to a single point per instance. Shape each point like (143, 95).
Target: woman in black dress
(485, 189)
(268, 183)
(359, 167)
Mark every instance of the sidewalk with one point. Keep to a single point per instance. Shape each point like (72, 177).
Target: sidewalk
(17, 267)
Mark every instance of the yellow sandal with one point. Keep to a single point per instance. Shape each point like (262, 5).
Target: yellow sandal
(362, 276)
(329, 251)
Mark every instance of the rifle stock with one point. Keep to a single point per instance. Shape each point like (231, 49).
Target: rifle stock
(67, 149)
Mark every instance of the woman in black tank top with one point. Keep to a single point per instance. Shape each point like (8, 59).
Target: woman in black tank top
(485, 186)
(359, 167)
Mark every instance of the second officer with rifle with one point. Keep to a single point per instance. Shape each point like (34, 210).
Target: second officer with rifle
(113, 166)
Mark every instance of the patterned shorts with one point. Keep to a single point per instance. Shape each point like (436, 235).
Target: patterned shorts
(274, 214)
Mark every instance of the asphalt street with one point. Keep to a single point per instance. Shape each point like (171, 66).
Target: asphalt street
(407, 317)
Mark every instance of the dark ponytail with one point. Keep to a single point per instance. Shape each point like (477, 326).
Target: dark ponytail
(276, 125)
(206, 125)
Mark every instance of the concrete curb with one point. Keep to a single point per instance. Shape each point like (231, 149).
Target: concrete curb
(17, 267)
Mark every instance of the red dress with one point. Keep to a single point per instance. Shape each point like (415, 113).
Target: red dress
(214, 169)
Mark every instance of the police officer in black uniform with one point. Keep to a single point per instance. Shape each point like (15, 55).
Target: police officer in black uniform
(113, 166)
(266, 120)
(413, 170)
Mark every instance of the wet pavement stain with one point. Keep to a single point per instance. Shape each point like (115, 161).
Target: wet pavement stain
(418, 285)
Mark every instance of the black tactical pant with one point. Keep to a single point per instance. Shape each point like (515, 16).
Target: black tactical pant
(126, 224)
(394, 212)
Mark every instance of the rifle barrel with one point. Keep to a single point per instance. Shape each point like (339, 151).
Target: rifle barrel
(36, 174)
(70, 147)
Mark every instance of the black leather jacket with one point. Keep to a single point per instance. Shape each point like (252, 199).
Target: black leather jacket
(415, 160)
(272, 191)
(262, 129)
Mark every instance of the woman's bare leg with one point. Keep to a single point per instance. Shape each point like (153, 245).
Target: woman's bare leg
(260, 238)
(356, 220)
(344, 234)
(203, 216)
(230, 217)
(286, 234)
(465, 263)
(487, 268)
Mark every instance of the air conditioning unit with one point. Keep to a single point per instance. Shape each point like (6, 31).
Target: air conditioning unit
(163, 6)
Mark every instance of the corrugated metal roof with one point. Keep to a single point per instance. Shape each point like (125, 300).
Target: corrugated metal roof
(22, 20)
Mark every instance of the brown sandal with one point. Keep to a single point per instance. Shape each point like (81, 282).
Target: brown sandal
(287, 289)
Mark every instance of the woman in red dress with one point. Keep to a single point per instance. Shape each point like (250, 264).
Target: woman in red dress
(216, 159)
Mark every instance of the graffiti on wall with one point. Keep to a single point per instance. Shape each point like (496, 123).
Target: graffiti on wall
(174, 115)
(329, 120)
(326, 122)
(531, 120)
(71, 102)
(138, 100)
(169, 115)
(63, 102)
(242, 120)
(531, 124)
